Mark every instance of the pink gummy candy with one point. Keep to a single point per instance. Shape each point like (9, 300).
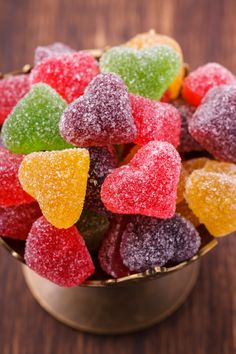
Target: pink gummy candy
(147, 185)
(16, 221)
(12, 89)
(102, 116)
(213, 124)
(52, 50)
(11, 192)
(68, 74)
(201, 80)
(109, 252)
(155, 121)
(59, 255)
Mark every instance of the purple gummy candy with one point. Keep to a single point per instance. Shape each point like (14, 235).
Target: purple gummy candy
(213, 124)
(146, 243)
(102, 116)
(109, 252)
(52, 50)
(187, 143)
(149, 242)
(187, 240)
(102, 162)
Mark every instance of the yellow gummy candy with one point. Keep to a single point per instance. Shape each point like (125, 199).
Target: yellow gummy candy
(181, 185)
(57, 180)
(212, 198)
(150, 39)
(195, 164)
(220, 167)
(183, 209)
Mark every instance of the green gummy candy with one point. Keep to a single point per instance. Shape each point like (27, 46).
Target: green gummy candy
(92, 228)
(147, 72)
(33, 125)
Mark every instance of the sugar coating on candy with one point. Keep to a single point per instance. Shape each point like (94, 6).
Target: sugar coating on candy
(146, 243)
(195, 164)
(220, 167)
(58, 255)
(102, 162)
(12, 89)
(212, 198)
(147, 185)
(181, 185)
(146, 72)
(187, 143)
(16, 221)
(109, 252)
(187, 240)
(33, 123)
(11, 192)
(68, 74)
(155, 121)
(102, 116)
(92, 228)
(200, 81)
(183, 209)
(150, 39)
(213, 124)
(57, 180)
(52, 50)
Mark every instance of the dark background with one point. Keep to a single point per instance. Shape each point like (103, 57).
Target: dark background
(206, 30)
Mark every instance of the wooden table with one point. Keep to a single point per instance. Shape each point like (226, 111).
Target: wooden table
(206, 323)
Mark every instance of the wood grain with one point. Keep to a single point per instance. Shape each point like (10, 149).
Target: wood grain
(206, 29)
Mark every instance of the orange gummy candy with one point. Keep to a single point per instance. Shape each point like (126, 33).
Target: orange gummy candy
(57, 180)
(181, 185)
(195, 164)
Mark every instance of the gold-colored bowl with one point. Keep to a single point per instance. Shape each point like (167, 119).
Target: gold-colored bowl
(105, 305)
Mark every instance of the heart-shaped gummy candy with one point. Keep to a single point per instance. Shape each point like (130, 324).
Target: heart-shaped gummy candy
(102, 116)
(147, 185)
(147, 72)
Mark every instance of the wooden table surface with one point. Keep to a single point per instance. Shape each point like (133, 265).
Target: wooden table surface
(206, 30)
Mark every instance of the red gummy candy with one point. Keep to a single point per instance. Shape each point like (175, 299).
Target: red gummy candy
(155, 121)
(16, 221)
(68, 74)
(12, 89)
(109, 252)
(147, 185)
(52, 50)
(59, 255)
(11, 192)
(201, 80)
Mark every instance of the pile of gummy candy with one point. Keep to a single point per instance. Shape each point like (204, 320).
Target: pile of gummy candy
(94, 158)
